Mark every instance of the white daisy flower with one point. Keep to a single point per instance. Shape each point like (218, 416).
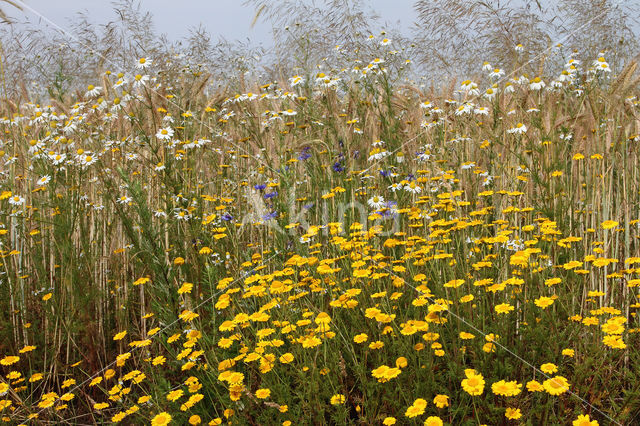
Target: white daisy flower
(601, 65)
(43, 180)
(87, 159)
(536, 84)
(395, 186)
(16, 200)
(140, 80)
(296, 80)
(376, 202)
(144, 63)
(92, 91)
(165, 133)
(121, 82)
(496, 73)
(413, 187)
(508, 88)
(518, 129)
(465, 108)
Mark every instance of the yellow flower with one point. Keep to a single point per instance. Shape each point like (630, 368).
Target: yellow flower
(311, 342)
(433, 421)
(120, 336)
(174, 395)
(614, 341)
(568, 352)
(513, 413)
(441, 401)
(142, 280)
(506, 388)
(323, 318)
(548, 368)
(376, 345)
(389, 421)
(67, 396)
(14, 375)
(401, 362)
(337, 399)
(68, 383)
(385, 373)
(552, 281)
(263, 393)
(504, 308)
(286, 358)
(161, 419)
(9, 360)
(159, 360)
(453, 283)
(185, 288)
(556, 385)
(584, 420)
(26, 349)
(543, 302)
(360, 338)
(118, 417)
(474, 383)
(608, 224)
(489, 347)
(47, 296)
(35, 377)
(417, 408)
(195, 420)
(143, 399)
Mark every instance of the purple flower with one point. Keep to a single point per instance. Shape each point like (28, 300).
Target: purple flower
(270, 216)
(337, 167)
(270, 195)
(305, 154)
(260, 187)
(226, 217)
(389, 209)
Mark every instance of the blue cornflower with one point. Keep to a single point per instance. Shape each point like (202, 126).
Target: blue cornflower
(270, 216)
(305, 154)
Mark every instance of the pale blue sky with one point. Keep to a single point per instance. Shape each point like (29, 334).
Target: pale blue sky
(228, 18)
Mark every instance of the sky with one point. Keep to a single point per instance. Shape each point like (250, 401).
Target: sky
(229, 19)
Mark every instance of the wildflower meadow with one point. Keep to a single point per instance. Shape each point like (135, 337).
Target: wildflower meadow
(337, 244)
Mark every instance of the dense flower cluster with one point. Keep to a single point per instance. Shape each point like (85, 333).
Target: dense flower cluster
(335, 246)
